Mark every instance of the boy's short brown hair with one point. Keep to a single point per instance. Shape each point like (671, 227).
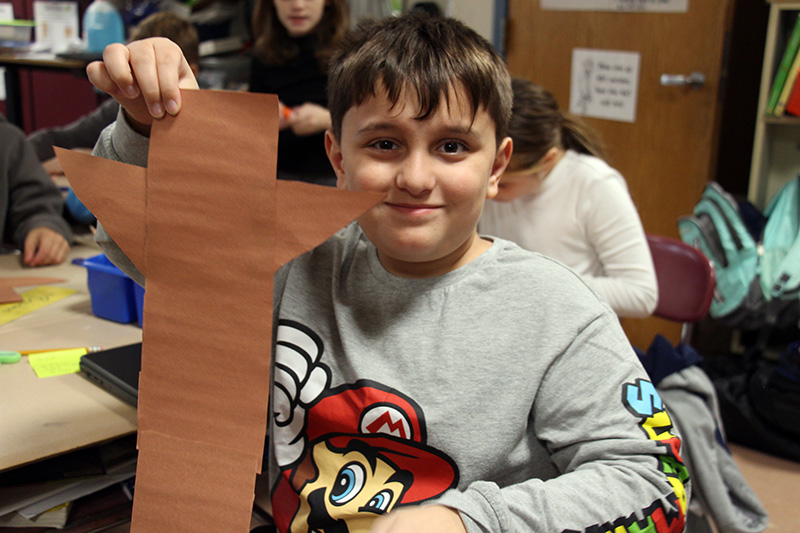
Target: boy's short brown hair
(175, 28)
(424, 54)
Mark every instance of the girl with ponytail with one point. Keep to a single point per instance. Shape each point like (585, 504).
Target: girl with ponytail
(561, 198)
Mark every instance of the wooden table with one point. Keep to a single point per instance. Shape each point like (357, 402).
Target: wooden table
(44, 417)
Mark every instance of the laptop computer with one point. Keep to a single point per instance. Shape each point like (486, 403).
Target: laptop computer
(115, 370)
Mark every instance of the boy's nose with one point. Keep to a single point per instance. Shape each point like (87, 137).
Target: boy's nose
(415, 175)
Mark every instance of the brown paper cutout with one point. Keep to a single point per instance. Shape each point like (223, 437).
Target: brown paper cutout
(121, 192)
(9, 295)
(209, 233)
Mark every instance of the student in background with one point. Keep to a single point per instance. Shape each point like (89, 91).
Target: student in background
(560, 198)
(432, 380)
(31, 205)
(292, 42)
(83, 132)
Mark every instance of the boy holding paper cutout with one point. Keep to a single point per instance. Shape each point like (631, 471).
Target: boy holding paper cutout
(396, 406)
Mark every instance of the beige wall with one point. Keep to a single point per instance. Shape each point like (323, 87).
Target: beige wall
(477, 14)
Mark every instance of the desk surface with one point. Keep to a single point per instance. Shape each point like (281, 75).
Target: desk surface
(41, 60)
(44, 417)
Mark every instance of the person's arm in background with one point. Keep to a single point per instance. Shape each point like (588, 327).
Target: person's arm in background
(33, 218)
(308, 119)
(82, 133)
(615, 231)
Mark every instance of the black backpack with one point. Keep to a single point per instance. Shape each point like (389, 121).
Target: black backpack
(760, 408)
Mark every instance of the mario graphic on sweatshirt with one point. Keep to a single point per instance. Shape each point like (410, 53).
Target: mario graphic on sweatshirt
(361, 450)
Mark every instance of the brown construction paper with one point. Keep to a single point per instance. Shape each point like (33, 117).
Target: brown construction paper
(9, 295)
(223, 478)
(121, 191)
(208, 225)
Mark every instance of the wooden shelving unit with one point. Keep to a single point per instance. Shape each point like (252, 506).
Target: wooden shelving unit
(776, 144)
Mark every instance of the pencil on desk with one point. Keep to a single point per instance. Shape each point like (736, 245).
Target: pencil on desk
(89, 349)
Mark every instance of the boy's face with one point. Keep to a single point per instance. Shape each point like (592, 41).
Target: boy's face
(436, 174)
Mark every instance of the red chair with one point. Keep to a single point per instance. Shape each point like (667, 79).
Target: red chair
(685, 279)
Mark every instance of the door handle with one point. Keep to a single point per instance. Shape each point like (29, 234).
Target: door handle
(695, 80)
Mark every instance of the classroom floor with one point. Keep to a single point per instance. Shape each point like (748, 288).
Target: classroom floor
(776, 482)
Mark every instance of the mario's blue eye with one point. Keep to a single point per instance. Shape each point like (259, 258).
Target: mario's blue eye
(380, 502)
(349, 482)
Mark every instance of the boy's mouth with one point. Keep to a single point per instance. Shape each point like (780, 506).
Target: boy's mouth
(413, 208)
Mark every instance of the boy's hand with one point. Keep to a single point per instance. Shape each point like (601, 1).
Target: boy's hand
(429, 518)
(308, 119)
(44, 246)
(145, 77)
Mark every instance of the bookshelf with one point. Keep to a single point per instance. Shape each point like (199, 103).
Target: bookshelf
(776, 143)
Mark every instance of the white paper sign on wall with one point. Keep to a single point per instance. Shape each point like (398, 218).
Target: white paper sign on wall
(604, 84)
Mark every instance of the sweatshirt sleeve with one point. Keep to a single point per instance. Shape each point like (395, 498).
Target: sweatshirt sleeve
(82, 133)
(119, 142)
(615, 232)
(612, 442)
(34, 200)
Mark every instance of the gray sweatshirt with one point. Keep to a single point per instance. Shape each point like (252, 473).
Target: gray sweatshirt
(506, 390)
(28, 197)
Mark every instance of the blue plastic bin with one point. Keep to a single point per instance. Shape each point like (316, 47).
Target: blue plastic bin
(111, 290)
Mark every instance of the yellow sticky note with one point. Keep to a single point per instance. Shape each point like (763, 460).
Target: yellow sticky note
(57, 362)
(32, 300)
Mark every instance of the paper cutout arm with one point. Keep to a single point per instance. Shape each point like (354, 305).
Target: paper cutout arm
(115, 193)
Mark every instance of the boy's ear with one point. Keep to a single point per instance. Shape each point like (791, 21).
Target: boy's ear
(334, 152)
(501, 160)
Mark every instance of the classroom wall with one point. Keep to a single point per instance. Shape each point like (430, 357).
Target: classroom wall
(477, 14)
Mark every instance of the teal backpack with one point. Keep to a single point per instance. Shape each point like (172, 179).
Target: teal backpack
(758, 281)
(780, 258)
(718, 230)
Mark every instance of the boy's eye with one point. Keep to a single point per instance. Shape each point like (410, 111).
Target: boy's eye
(452, 147)
(384, 145)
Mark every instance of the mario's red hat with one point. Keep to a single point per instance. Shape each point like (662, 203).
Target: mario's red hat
(390, 424)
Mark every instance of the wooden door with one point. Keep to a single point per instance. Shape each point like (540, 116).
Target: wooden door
(669, 152)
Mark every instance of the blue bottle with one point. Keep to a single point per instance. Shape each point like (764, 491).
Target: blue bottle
(102, 25)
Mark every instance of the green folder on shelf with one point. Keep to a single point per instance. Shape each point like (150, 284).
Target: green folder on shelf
(784, 67)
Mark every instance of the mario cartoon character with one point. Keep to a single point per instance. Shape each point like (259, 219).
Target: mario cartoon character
(364, 452)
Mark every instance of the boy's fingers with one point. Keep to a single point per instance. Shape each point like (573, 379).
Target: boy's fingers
(145, 77)
(146, 71)
(116, 63)
(174, 80)
(169, 74)
(99, 77)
